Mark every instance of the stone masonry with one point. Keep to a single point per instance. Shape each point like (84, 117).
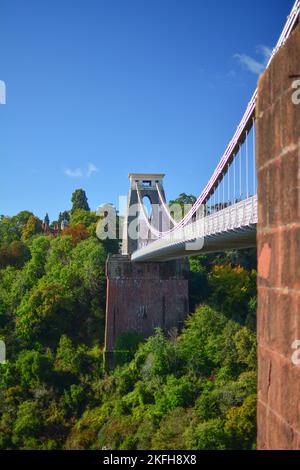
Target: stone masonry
(142, 296)
(278, 243)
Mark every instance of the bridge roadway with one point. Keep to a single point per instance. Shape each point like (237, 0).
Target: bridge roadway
(232, 227)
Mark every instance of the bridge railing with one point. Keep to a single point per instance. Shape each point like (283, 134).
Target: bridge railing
(233, 217)
(238, 216)
(237, 181)
(234, 178)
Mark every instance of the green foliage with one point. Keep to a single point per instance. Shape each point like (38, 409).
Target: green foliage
(232, 288)
(79, 201)
(177, 392)
(158, 356)
(171, 430)
(34, 368)
(181, 205)
(65, 355)
(127, 343)
(59, 253)
(192, 390)
(65, 215)
(84, 217)
(240, 424)
(28, 422)
(73, 400)
(35, 268)
(11, 227)
(184, 199)
(77, 232)
(45, 311)
(208, 435)
(201, 344)
(32, 227)
(198, 282)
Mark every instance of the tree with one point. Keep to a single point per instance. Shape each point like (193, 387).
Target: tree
(201, 343)
(46, 312)
(60, 253)
(127, 344)
(170, 435)
(11, 227)
(65, 215)
(198, 282)
(231, 290)
(22, 218)
(79, 200)
(193, 389)
(32, 227)
(28, 422)
(240, 424)
(33, 368)
(208, 435)
(82, 216)
(77, 232)
(177, 392)
(13, 254)
(65, 355)
(73, 400)
(184, 199)
(35, 268)
(179, 207)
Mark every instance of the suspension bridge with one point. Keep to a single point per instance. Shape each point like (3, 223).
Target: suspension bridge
(225, 214)
(252, 198)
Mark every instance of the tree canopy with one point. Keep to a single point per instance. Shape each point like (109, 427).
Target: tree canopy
(188, 389)
(79, 200)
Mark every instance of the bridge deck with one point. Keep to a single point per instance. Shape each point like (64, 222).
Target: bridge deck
(232, 227)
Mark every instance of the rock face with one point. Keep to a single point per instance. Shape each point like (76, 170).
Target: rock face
(278, 243)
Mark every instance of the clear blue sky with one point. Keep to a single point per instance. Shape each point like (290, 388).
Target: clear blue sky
(100, 88)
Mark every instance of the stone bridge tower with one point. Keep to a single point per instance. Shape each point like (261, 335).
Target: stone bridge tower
(142, 296)
(147, 185)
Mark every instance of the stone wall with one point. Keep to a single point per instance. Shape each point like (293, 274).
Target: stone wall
(143, 296)
(278, 243)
